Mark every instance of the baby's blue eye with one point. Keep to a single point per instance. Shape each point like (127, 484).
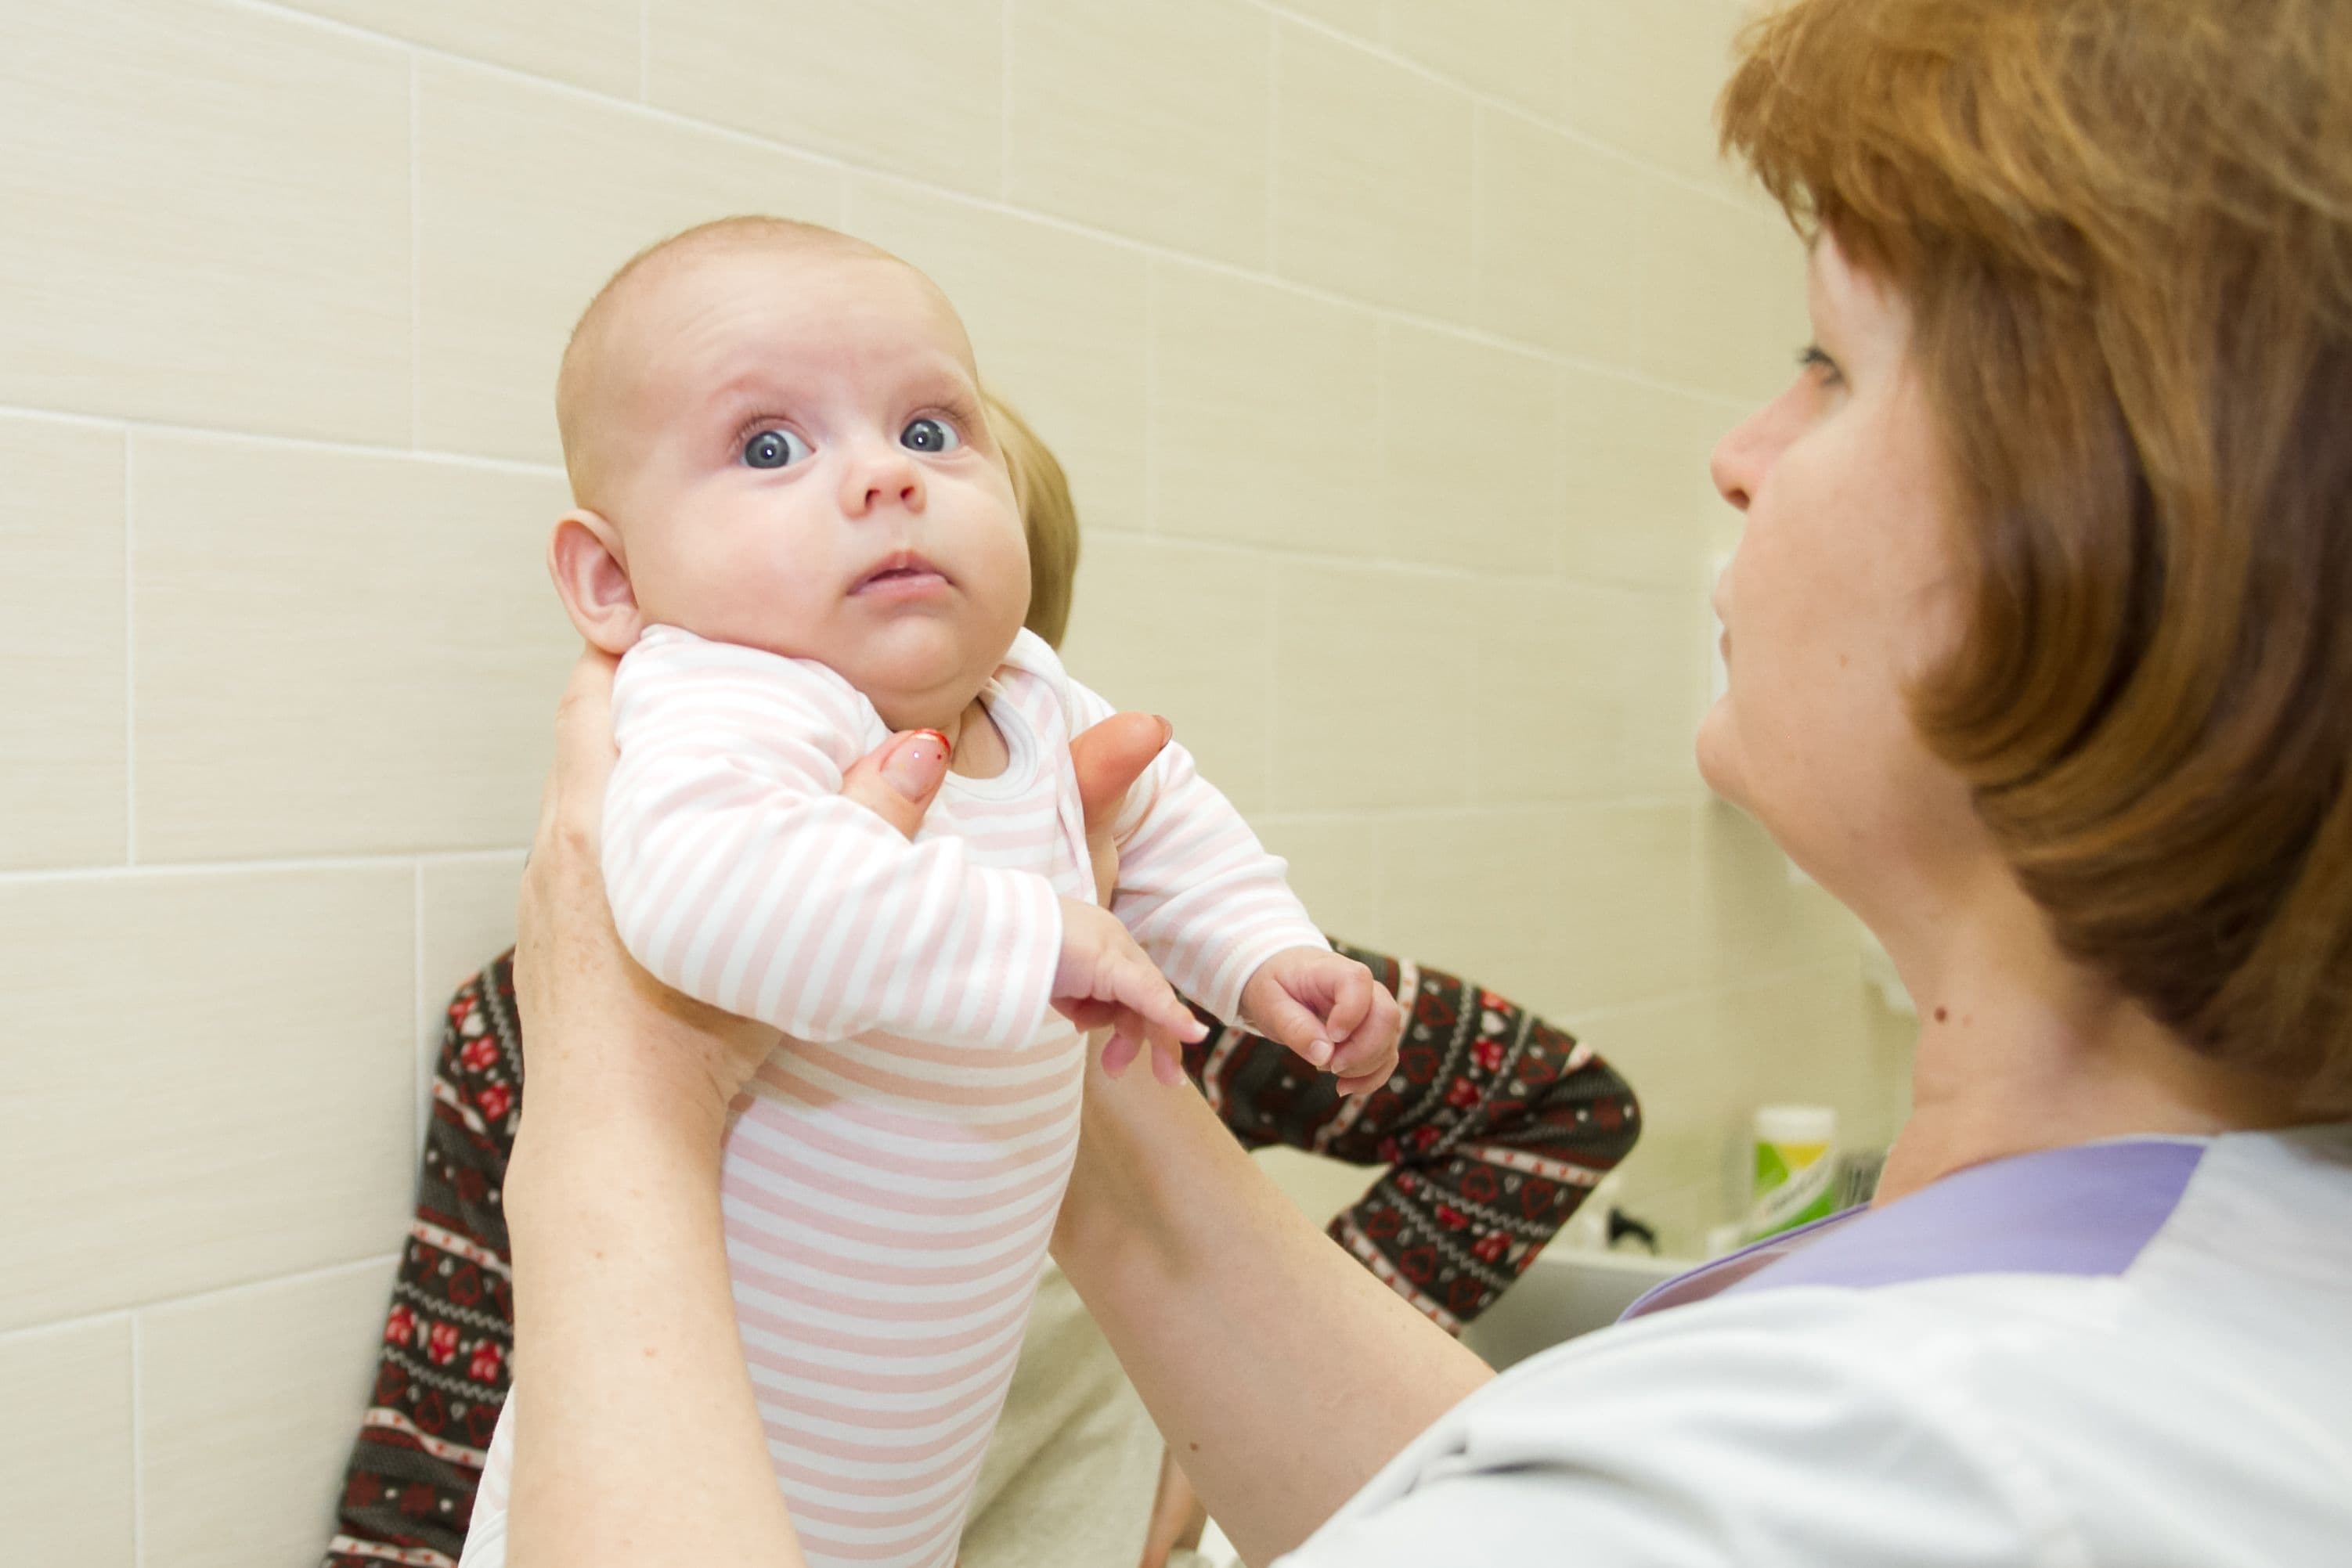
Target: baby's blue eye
(930, 436)
(773, 449)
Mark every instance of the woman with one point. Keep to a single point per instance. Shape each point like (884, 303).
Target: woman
(2039, 659)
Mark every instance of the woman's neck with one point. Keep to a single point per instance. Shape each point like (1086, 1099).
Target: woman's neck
(2021, 1049)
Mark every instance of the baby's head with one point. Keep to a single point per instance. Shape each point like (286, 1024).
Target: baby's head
(776, 437)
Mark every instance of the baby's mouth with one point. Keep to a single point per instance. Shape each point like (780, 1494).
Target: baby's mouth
(900, 572)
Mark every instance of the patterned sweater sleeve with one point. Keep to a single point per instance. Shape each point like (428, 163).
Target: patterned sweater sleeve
(739, 875)
(444, 1361)
(1495, 1127)
(1200, 894)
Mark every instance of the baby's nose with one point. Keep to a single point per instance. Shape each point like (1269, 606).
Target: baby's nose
(883, 482)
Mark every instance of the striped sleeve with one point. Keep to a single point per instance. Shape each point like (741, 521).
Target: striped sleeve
(739, 875)
(1200, 894)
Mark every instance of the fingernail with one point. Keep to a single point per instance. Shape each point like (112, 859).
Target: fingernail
(916, 769)
(1320, 1053)
(1167, 730)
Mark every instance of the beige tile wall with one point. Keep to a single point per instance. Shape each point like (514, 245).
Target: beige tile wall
(1385, 340)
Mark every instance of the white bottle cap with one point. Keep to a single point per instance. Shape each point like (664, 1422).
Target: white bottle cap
(1796, 1125)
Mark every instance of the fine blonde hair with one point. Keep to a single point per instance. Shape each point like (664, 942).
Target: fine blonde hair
(2124, 231)
(1048, 516)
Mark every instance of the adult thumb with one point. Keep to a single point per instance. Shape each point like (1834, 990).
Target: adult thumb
(1111, 756)
(898, 779)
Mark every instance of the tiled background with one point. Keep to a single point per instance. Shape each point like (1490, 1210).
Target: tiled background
(1385, 340)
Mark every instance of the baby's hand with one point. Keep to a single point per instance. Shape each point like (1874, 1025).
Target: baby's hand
(1104, 979)
(1329, 1011)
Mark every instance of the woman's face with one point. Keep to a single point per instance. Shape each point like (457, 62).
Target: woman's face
(1843, 586)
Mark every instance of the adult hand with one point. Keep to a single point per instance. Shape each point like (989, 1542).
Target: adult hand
(596, 1021)
(599, 1027)
(1109, 760)
(641, 1423)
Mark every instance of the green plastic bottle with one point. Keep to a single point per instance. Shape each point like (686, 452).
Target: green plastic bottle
(1796, 1169)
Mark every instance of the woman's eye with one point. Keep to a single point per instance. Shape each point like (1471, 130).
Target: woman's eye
(1813, 362)
(930, 436)
(773, 449)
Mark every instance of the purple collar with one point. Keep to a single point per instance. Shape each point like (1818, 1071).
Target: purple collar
(2085, 1210)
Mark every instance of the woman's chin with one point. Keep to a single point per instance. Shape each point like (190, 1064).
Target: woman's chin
(1718, 754)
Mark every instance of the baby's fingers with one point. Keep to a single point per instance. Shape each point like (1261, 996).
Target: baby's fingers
(1370, 1046)
(1119, 1052)
(1351, 1000)
(1285, 1023)
(1130, 1034)
(1136, 985)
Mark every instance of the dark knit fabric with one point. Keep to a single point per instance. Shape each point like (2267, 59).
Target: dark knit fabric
(1493, 1128)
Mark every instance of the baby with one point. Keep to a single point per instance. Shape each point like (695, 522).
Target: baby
(794, 522)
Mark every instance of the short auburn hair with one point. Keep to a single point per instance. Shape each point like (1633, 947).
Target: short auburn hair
(2124, 231)
(1048, 516)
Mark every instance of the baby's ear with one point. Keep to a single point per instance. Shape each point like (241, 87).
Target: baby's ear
(585, 557)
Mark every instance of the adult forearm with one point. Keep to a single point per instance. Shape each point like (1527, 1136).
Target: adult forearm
(1282, 1374)
(638, 1439)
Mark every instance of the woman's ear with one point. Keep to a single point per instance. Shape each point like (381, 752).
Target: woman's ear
(592, 575)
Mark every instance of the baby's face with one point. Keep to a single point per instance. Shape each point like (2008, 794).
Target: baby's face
(800, 463)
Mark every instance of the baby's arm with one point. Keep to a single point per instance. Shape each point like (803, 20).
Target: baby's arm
(738, 874)
(1215, 911)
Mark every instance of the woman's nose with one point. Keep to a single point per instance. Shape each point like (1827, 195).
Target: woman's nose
(1736, 465)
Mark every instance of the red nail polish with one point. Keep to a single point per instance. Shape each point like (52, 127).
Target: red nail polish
(910, 770)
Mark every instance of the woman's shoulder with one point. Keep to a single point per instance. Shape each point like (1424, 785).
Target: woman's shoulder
(2024, 1409)
(1920, 1425)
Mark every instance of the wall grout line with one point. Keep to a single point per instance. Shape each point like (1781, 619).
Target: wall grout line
(1455, 812)
(1381, 49)
(1274, 688)
(1399, 566)
(1005, 101)
(258, 867)
(138, 1448)
(1378, 48)
(431, 858)
(417, 1049)
(1273, 141)
(1581, 1020)
(1271, 552)
(1066, 225)
(415, 256)
(132, 1313)
(135, 1311)
(271, 438)
(1732, 406)
(1479, 156)
(129, 662)
(1150, 399)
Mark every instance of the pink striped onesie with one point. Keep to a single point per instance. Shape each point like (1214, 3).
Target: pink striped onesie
(893, 1172)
